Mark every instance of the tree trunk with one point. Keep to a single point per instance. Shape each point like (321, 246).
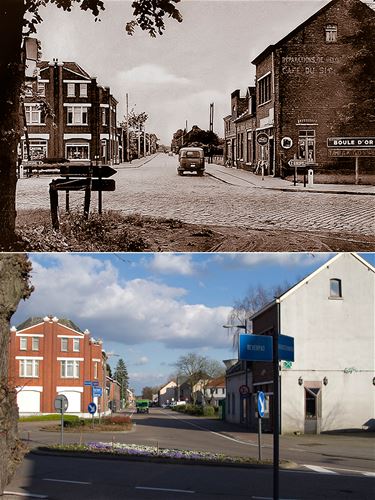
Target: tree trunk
(11, 77)
(14, 286)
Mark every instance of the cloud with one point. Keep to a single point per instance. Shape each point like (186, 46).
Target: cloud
(152, 74)
(143, 360)
(284, 259)
(168, 263)
(90, 292)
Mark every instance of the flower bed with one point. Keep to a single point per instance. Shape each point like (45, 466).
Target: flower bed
(136, 450)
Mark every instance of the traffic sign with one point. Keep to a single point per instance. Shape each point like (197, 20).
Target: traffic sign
(104, 171)
(92, 408)
(244, 389)
(61, 403)
(286, 348)
(80, 184)
(97, 392)
(297, 163)
(261, 403)
(94, 383)
(286, 142)
(255, 347)
(87, 382)
(262, 139)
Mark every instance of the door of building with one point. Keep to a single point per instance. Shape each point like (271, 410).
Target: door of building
(313, 410)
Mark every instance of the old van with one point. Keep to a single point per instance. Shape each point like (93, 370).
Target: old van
(191, 160)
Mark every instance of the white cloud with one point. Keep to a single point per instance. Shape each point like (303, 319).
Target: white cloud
(286, 259)
(90, 292)
(143, 360)
(152, 74)
(169, 263)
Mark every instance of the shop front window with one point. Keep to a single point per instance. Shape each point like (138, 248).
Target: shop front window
(38, 150)
(77, 151)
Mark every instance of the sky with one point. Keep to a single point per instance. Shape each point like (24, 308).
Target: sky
(150, 309)
(176, 76)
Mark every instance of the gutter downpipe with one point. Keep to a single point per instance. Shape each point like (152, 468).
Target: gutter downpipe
(276, 409)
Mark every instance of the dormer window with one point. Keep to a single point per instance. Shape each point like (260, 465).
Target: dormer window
(331, 33)
(335, 290)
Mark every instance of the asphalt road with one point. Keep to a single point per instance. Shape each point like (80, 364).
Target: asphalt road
(153, 188)
(338, 454)
(61, 478)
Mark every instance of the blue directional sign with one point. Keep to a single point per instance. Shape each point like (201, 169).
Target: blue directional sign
(92, 408)
(286, 348)
(87, 382)
(261, 403)
(97, 392)
(255, 347)
(94, 383)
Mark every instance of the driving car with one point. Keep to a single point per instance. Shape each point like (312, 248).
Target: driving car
(191, 159)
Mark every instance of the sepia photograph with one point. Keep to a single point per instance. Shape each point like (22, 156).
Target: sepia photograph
(187, 249)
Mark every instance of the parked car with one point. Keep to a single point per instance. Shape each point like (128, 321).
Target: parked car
(191, 160)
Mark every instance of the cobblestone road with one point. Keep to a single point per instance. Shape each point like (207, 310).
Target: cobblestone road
(155, 189)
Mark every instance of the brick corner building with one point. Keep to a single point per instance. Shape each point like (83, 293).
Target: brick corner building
(50, 356)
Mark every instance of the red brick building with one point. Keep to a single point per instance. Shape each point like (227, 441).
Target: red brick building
(48, 357)
(77, 120)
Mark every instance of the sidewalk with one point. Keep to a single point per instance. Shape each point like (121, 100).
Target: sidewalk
(241, 177)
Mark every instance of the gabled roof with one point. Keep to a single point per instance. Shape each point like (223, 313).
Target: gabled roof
(71, 66)
(37, 320)
(295, 287)
(292, 33)
(217, 382)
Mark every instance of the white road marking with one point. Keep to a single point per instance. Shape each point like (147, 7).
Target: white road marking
(218, 433)
(365, 473)
(370, 474)
(317, 468)
(20, 494)
(163, 489)
(65, 481)
(271, 498)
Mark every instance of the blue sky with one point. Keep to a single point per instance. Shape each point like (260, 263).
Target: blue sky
(174, 77)
(150, 309)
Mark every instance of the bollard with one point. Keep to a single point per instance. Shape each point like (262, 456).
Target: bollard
(310, 177)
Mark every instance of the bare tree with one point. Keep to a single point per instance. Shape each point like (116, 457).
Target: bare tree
(14, 286)
(255, 298)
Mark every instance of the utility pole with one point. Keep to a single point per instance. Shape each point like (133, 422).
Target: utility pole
(127, 128)
(211, 127)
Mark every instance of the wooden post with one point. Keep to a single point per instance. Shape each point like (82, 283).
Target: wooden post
(357, 170)
(86, 206)
(54, 202)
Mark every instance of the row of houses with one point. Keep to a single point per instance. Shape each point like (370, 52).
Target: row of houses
(295, 106)
(67, 114)
(210, 391)
(51, 356)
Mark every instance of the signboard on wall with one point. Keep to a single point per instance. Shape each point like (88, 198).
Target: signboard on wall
(351, 142)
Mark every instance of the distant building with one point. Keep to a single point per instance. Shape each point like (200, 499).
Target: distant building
(68, 115)
(50, 356)
(329, 386)
(167, 393)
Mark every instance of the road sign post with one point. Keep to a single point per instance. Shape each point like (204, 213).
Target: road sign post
(61, 405)
(92, 409)
(261, 407)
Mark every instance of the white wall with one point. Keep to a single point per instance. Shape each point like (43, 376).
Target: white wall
(330, 336)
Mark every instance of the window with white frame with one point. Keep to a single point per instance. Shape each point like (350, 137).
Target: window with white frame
(28, 89)
(35, 344)
(83, 90)
(96, 369)
(104, 117)
(64, 344)
(41, 90)
(76, 345)
(264, 89)
(71, 90)
(69, 368)
(23, 343)
(34, 115)
(29, 368)
(77, 115)
(77, 151)
(331, 33)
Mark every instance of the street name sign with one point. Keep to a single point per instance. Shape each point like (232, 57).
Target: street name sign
(92, 408)
(351, 153)
(351, 142)
(95, 383)
(255, 347)
(261, 403)
(87, 382)
(104, 171)
(61, 403)
(297, 163)
(286, 348)
(97, 392)
(82, 183)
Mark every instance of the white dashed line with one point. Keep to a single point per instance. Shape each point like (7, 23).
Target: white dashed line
(65, 481)
(163, 489)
